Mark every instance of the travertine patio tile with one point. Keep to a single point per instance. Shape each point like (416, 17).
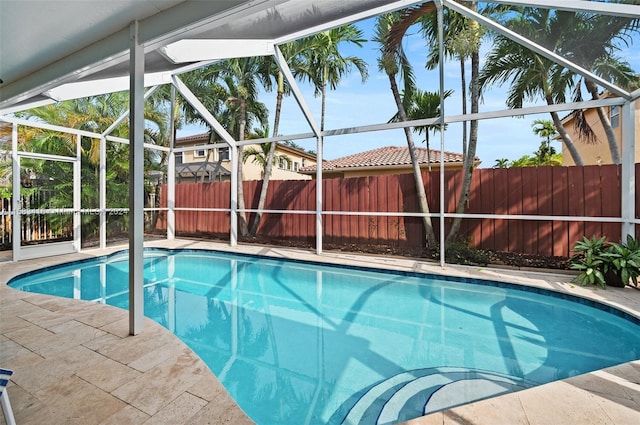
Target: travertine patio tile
(155, 357)
(28, 410)
(45, 318)
(505, 410)
(432, 419)
(176, 375)
(128, 415)
(66, 335)
(179, 411)
(10, 349)
(9, 297)
(28, 335)
(47, 302)
(108, 374)
(208, 387)
(131, 348)
(17, 307)
(119, 327)
(10, 323)
(102, 342)
(82, 402)
(220, 412)
(562, 403)
(99, 317)
(22, 360)
(607, 382)
(622, 411)
(62, 365)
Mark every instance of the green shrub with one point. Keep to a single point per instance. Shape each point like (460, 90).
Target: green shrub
(599, 262)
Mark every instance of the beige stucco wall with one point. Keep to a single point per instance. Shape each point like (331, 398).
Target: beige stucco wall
(253, 171)
(598, 152)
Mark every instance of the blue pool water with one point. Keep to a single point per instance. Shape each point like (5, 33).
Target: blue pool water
(302, 343)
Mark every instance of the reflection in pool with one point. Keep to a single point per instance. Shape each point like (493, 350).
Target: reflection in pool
(304, 343)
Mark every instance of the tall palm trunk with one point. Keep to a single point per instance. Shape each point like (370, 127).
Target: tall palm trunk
(242, 219)
(606, 124)
(469, 158)
(566, 139)
(324, 98)
(417, 173)
(268, 167)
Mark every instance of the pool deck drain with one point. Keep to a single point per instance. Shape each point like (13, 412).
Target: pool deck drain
(74, 362)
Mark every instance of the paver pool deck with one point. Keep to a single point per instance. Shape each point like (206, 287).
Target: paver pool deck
(74, 362)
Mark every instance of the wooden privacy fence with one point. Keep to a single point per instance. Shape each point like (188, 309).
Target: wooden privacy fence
(36, 227)
(591, 191)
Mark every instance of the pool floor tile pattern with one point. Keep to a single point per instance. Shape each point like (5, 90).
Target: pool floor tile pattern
(75, 363)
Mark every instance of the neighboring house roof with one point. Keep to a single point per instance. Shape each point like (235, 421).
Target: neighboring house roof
(193, 139)
(386, 157)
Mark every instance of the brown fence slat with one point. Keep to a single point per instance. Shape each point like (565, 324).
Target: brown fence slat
(487, 200)
(562, 191)
(610, 181)
(529, 206)
(474, 226)
(560, 207)
(501, 206)
(576, 203)
(515, 207)
(592, 202)
(545, 207)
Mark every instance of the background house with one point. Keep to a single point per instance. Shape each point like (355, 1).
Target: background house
(596, 152)
(385, 160)
(203, 164)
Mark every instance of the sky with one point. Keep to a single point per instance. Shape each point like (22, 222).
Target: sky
(355, 103)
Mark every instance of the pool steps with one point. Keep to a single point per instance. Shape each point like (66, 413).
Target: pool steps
(422, 391)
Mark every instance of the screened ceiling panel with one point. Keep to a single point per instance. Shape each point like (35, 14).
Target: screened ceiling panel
(48, 43)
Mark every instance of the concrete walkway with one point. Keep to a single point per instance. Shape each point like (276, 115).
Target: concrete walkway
(74, 362)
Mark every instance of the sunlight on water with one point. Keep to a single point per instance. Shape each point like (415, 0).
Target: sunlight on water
(298, 343)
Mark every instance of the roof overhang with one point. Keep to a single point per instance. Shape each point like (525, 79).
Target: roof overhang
(49, 48)
(42, 59)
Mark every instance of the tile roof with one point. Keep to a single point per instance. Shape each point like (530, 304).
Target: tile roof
(202, 138)
(384, 157)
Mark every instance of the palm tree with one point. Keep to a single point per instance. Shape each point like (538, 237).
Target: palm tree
(259, 154)
(421, 13)
(546, 130)
(501, 163)
(94, 114)
(591, 41)
(424, 104)
(541, 157)
(531, 75)
(290, 50)
(524, 161)
(239, 78)
(392, 61)
(461, 38)
(322, 64)
(545, 155)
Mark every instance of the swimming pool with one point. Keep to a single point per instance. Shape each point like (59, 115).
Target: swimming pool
(296, 342)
